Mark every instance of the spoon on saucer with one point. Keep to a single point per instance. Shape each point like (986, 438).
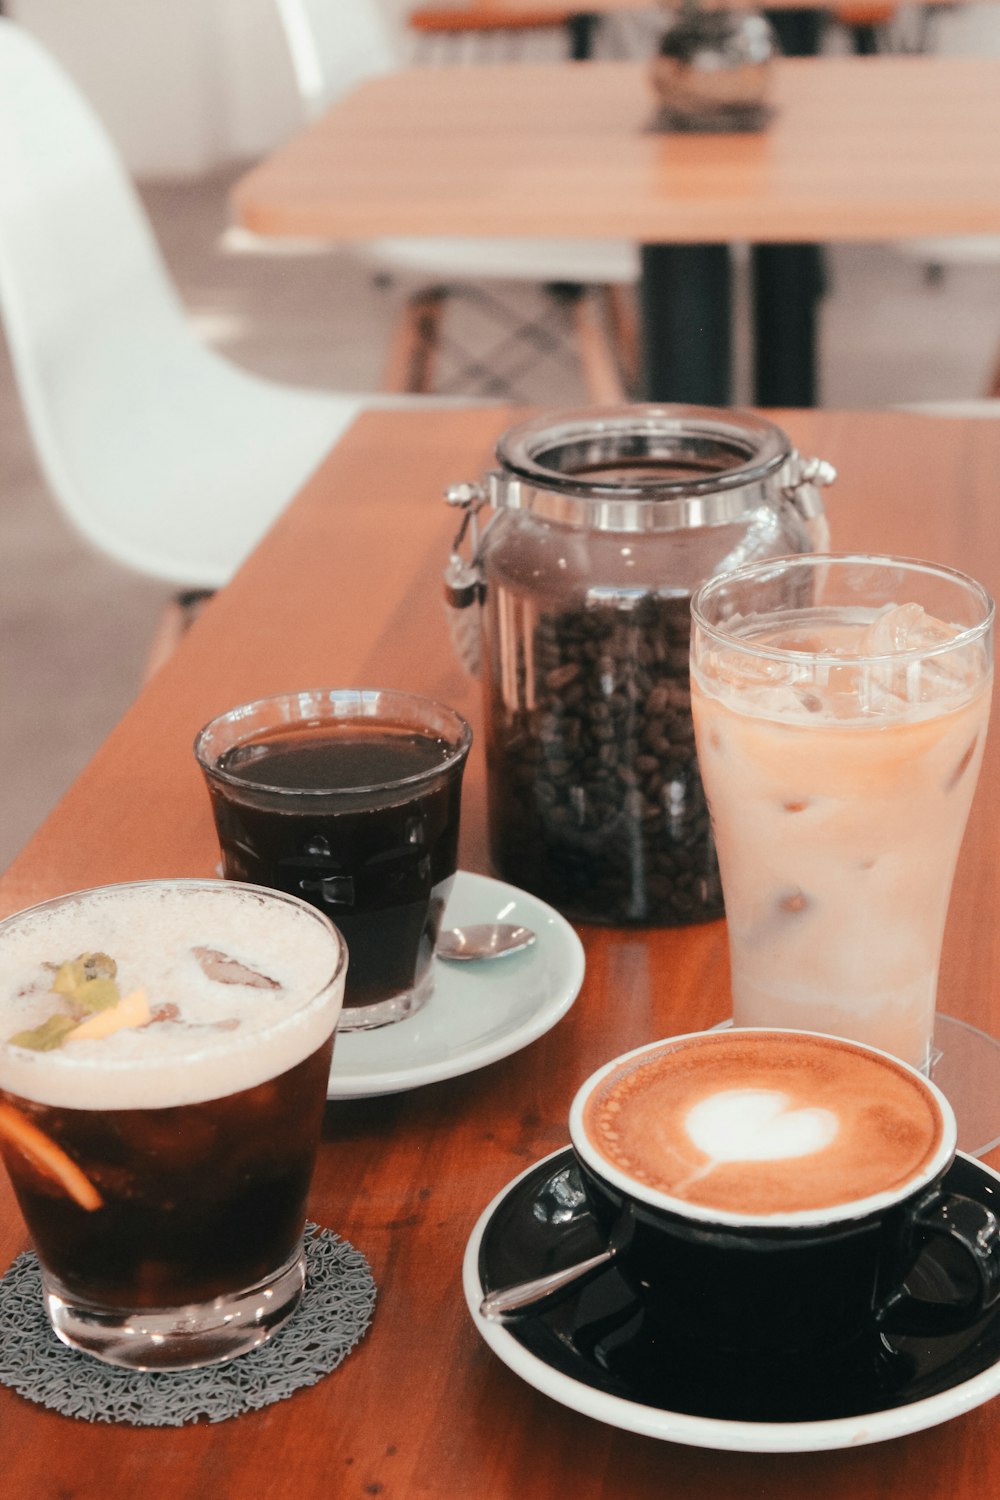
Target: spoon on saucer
(483, 940)
(510, 1302)
(504, 1304)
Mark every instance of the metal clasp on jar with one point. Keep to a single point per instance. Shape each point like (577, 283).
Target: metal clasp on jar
(801, 482)
(463, 577)
(464, 586)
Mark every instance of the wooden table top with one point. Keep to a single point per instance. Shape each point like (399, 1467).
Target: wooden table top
(861, 148)
(488, 15)
(346, 590)
(501, 15)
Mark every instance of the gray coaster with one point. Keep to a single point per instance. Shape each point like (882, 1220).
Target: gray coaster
(332, 1317)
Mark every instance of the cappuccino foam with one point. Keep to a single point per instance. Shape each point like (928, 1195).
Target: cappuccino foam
(765, 1123)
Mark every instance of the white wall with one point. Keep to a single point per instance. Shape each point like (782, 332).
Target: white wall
(182, 85)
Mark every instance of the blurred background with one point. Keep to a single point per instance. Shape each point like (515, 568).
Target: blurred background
(192, 92)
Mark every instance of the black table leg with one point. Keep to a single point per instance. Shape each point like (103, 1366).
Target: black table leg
(787, 284)
(580, 28)
(687, 323)
(799, 32)
(788, 280)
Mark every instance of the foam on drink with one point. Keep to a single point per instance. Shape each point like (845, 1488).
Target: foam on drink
(215, 1036)
(765, 1123)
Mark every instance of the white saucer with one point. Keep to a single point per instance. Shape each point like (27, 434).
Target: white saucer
(479, 1012)
(518, 1237)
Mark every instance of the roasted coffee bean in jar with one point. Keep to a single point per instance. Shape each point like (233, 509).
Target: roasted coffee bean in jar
(585, 547)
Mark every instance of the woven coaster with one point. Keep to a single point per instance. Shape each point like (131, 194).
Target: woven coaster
(333, 1315)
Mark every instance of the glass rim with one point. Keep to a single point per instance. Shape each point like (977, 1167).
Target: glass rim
(724, 637)
(215, 772)
(237, 888)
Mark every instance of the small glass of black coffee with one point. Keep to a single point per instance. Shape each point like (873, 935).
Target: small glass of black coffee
(349, 799)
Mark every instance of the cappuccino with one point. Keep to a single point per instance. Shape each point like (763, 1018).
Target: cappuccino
(759, 1124)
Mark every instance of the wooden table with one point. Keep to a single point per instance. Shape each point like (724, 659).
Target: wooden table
(347, 590)
(579, 22)
(869, 148)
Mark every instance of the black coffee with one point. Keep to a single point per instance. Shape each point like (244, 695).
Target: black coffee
(313, 758)
(372, 848)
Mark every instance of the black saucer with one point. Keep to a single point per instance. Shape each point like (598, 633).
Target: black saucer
(596, 1342)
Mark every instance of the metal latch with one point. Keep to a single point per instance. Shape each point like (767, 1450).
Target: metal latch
(806, 478)
(463, 578)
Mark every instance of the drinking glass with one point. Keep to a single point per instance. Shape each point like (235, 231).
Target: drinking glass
(164, 1061)
(349, 799)
(840, 706)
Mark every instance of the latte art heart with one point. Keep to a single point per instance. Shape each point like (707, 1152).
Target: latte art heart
(758, 1125)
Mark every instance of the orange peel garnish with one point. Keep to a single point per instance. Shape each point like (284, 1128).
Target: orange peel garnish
(49, 1158)
(132, 1011)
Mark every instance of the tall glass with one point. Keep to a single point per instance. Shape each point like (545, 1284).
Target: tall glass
(840, 707)
(164, 1059)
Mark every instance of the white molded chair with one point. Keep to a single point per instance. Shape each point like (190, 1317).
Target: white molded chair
(162, 454)
(333, 47)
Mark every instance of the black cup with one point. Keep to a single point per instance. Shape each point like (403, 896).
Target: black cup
(790, 1284)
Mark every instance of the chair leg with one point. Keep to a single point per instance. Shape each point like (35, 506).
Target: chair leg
(413, 352)
(597, 360)
(176, 619)
(994, 387)
(623, 318)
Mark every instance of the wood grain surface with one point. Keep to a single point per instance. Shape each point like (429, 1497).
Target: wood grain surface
(499, 15)
(860, 148)
(346, 591)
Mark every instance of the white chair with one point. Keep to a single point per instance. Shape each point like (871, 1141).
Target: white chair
(162, 454)
(335, 46)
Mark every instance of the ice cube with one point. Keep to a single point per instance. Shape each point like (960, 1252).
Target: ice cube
(904, 627)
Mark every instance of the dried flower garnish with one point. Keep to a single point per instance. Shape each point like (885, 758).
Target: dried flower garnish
(45, 1038)
(225, 970)
(94, 1005)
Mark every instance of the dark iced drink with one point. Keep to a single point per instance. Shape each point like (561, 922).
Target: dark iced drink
(163, 1071)
(350, 800)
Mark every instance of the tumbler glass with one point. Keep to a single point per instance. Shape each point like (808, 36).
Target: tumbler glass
(350, 799)
(164, 1061)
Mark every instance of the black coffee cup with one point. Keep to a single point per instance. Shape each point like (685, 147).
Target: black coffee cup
(768, 1192)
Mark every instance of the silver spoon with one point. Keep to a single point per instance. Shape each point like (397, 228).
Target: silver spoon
(504, 1304)
(511, 1301)
(483, 940)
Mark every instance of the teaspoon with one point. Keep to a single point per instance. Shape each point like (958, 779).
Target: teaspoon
(483, 940)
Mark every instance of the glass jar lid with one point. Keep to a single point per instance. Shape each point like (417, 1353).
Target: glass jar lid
(644, 467)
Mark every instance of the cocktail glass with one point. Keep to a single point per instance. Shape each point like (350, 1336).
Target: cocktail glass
(840, 706)
(160, 1125)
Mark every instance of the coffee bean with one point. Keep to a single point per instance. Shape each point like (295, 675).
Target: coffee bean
(596, 801)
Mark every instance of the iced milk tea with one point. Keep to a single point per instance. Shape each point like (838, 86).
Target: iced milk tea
(840, 740)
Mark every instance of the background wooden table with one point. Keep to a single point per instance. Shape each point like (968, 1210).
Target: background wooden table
(347, 591)
(870, 148)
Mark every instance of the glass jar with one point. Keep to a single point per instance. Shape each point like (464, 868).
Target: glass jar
(585, 546)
